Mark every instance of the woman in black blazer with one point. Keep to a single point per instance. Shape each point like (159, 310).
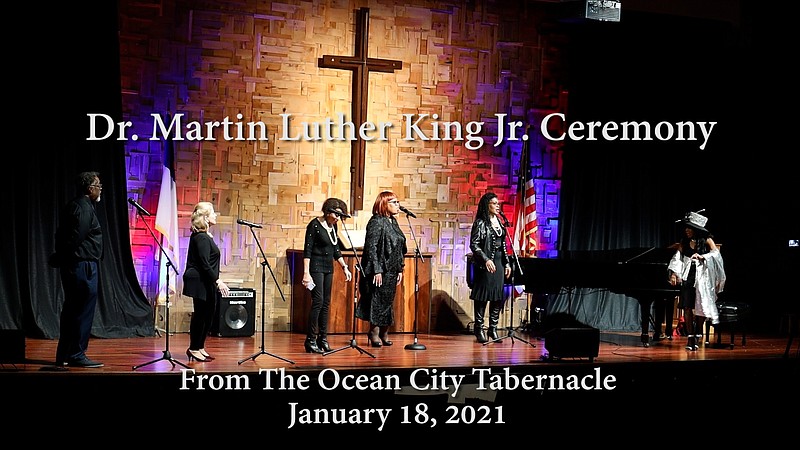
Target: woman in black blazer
(383, 263)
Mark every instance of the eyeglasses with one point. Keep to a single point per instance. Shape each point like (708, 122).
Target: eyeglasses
(396, 201)
(98, 186)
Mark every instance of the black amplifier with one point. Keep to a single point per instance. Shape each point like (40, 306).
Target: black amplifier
(236, 314)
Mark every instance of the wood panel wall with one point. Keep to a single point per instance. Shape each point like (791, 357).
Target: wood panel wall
(464, 61)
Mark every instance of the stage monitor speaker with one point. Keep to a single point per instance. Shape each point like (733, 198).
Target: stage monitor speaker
(236, 314)
(578, 342)
(12, 346)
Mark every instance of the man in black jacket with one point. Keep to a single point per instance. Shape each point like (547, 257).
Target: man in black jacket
(79, 248)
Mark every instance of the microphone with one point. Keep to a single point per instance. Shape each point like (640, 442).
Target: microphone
(139, 207)
(340, 214)
(507, 223)
(403, 208)
(249, 224)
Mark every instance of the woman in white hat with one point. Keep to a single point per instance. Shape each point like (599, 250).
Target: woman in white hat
(697, 268)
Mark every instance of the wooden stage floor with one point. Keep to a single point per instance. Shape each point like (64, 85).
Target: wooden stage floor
(452, 385)
(441, 351)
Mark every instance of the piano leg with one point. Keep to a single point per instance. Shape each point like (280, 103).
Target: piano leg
(663, 308)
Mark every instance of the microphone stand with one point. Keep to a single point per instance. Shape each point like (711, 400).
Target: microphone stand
(352, 343)
(417, 256)
(264, 265)
(510, 326)
(166, 355)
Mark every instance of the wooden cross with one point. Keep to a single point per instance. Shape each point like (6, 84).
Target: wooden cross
(361, 66)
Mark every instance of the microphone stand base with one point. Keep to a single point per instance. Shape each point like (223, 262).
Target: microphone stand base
(415, 346)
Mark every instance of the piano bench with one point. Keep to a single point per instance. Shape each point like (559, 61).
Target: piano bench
(732, 318)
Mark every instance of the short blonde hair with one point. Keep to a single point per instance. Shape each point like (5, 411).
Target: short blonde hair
(200, 216)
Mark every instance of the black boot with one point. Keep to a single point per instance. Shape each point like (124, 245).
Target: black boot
(311, 345)
(322, 343)
(494, 319)
(691, 343)
(704, 326)
(480, 310)
(322, 335)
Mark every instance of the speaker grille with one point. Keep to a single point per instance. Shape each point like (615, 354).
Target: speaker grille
(235, 314)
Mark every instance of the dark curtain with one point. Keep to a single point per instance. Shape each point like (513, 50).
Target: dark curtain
(30, 291)
(619, 195)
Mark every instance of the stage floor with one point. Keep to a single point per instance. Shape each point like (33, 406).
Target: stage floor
(452, 385)
(285, 350)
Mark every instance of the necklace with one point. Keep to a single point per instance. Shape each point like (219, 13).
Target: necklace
(331, 234)
(496, 226)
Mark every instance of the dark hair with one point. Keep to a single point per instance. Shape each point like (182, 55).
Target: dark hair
(483, 206)
(698, 233)
(334, 203)
(84, 180)
(381, 207)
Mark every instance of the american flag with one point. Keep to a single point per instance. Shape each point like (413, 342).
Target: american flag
(526, 226)
(167, 225)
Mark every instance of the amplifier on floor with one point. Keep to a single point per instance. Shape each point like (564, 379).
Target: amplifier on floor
(572, 342)
(236, 314)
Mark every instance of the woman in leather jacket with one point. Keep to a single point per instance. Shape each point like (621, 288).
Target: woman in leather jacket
(488, 244)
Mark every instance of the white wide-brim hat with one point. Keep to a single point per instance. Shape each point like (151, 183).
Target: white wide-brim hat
(696, 221)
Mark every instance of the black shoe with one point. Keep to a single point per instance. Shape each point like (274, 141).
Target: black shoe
(323, 345)
(384, 336)
(311, 346)
(84, 362)
(59, 366)
(690, 344)
(372, 336)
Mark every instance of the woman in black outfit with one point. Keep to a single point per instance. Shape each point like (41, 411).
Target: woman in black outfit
(383, 262)
(322, 247)
(488, 244)
(201, 280)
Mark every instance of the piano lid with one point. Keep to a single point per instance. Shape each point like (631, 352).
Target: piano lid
(631, 271)
(637, 255)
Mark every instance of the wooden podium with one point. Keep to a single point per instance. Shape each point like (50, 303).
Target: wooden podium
(343, 296)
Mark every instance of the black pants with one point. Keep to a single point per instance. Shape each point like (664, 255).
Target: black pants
(202, 318)
(320, 305)
(80, 281)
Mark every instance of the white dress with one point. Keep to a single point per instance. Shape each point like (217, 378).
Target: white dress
(708, 282)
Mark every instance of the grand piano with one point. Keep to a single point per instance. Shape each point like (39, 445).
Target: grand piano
(640, 273)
